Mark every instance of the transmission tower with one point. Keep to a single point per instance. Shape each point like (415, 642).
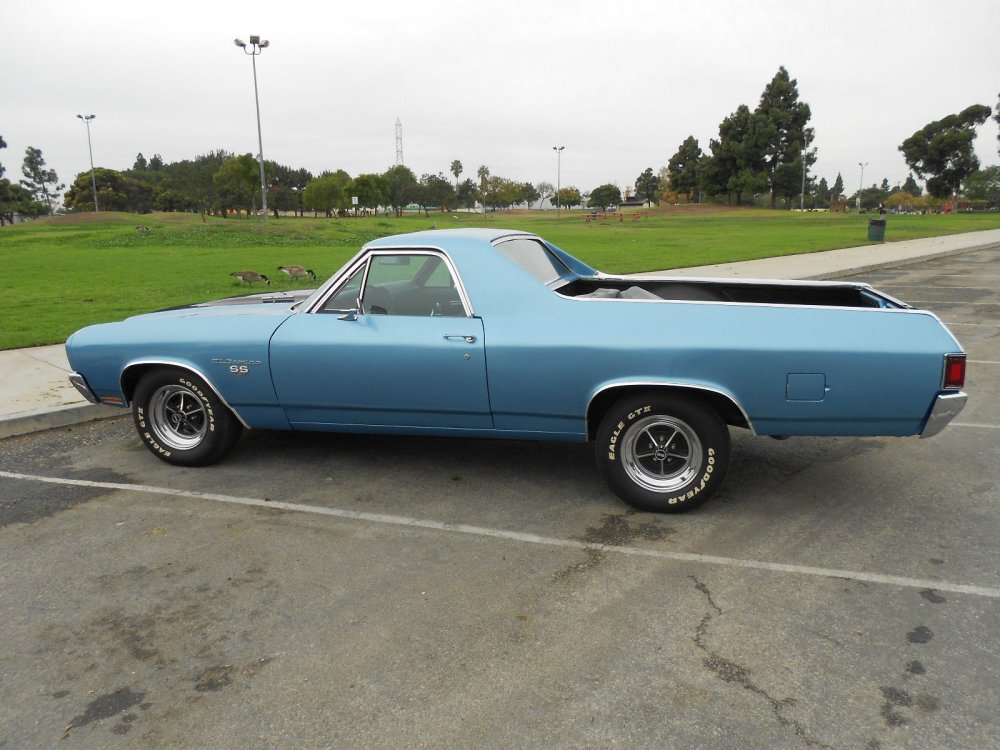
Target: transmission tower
(399, 142)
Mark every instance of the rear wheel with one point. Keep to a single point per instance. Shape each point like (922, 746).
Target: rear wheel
(181, 420)
(662, 453)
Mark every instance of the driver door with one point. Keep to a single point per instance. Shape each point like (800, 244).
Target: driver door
(410, 357)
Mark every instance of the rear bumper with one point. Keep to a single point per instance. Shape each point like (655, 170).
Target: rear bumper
(80, 383)
(946, 407)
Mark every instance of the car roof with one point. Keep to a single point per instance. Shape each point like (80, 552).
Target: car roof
(447, 239)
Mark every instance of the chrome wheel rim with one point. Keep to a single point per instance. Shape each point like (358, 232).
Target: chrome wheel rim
(661, 453)
(178, 417)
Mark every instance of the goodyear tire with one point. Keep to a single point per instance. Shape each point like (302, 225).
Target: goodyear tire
(181, 420)
(662, 453)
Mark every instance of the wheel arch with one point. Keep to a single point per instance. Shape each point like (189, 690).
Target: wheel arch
(133, 372)
(723, 403)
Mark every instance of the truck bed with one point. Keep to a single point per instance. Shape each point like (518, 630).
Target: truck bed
(790, 293)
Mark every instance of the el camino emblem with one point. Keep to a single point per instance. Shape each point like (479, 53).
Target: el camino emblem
(237, 367)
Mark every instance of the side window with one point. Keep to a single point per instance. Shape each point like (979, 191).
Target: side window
(410, 284)
(346, 297)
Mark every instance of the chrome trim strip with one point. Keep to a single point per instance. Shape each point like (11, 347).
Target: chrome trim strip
(80, 383)
(409, 249)
(946, 407)
(182, 366)
(670, 384)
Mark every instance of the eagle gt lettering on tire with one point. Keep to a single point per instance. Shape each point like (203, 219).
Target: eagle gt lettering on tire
(661, 452)
(181, 420)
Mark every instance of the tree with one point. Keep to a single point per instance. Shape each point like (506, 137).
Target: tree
(238, 178)
(683, 167)
(116, 191)
(786, 136)
(435, 190)
(604, 196)
(530, 194)
(141, 165)
(738, 162)
(14, 199)
(156, 163)
(466, 194)
(569, 197)
(984, 185)
(997, 118)
(902, 199)
(545, 190)
(456, 169)
(941, 152)
(39, 180)
(327, 192)
(837, 192)
(499, 192)
(402, 185)
(3, 145)
(370, 189)
(821, 196)
(911, 186)
(647, 186)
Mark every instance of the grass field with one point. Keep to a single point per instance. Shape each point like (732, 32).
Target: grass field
(66, 272)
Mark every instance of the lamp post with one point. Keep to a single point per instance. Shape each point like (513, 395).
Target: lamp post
(861, 182)
(802, 195)
(558, 150)
(253, 49)
(90, 149)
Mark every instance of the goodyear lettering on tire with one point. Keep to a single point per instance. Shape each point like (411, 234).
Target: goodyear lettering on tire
(694, 491)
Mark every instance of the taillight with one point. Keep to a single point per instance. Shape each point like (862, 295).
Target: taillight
(954, 371)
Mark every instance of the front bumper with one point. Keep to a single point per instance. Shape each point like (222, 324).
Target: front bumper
(946, 407)
(80, 383)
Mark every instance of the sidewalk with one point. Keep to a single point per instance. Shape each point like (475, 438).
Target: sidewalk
(35, 393)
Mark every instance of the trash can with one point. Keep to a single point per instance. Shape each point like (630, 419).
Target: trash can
(876, 230)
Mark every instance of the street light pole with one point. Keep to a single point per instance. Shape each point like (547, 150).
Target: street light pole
(861, 182)
(90, 149)
(802, 195)
(256, 45)
(558, 150)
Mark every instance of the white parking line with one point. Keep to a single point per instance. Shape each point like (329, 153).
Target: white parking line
(518, 536)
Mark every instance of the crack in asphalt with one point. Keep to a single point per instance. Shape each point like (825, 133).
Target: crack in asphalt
(729, 671)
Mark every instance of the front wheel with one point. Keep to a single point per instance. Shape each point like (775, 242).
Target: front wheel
(662, 453)
(181, 420)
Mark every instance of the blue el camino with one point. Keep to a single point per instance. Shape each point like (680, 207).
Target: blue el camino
(500, 334)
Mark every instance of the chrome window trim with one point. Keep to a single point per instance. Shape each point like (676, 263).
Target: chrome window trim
(668, 384)
(183, 366)
(365, 256)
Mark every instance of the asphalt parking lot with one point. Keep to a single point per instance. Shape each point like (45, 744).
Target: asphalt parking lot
(318, 591)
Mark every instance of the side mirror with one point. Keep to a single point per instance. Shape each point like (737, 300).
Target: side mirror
(353, 314)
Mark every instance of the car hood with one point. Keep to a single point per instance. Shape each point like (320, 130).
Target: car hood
(279, 299)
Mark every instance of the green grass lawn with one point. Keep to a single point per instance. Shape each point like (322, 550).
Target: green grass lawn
(66, 272)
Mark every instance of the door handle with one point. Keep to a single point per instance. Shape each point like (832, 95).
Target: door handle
(467, 339)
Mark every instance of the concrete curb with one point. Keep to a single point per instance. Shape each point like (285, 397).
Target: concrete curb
(59, 416)
(896, 263)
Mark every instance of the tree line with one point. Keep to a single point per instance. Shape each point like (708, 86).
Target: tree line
(763, 153)
(766, 151)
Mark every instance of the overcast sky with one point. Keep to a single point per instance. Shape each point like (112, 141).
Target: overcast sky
(494, 82)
